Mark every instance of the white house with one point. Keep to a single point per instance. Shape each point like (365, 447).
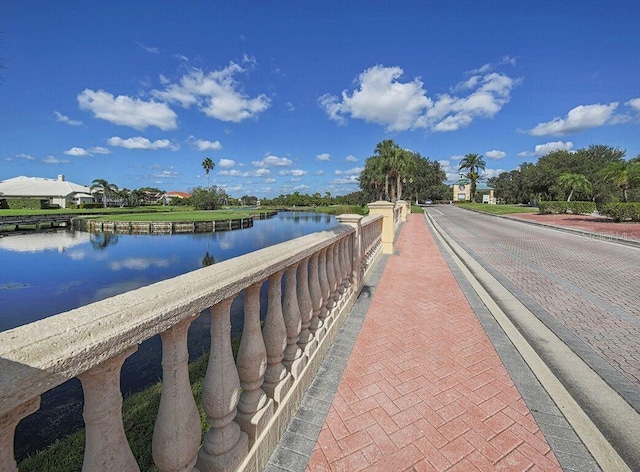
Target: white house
(55, 191)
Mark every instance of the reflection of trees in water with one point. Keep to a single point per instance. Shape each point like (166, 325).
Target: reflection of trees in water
(102, 240)
(208, 260)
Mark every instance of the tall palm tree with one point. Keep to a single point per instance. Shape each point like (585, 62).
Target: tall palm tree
(623, 174)
(573, 183)
(474, 164)
(208, 166)
(105, 187)
(386, 149)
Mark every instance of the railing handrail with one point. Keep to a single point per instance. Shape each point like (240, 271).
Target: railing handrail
(42, 355)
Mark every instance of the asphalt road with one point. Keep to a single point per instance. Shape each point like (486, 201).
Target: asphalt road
(586, 290)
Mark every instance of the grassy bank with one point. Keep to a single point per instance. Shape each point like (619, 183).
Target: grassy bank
(497, 209)
(181, 215)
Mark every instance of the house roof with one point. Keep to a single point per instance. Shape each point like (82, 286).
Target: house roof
(479, 185)
(175, 193)
(40, 187)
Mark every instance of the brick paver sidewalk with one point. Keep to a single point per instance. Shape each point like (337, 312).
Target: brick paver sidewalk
(424, 388)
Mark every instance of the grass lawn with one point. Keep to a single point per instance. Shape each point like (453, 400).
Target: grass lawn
(178, 216)
(497, 209)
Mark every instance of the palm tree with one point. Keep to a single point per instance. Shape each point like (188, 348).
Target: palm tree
(386, 150)
(208, 166)
(473, 164)
(623, 174)
(105, 187)
(573, 183)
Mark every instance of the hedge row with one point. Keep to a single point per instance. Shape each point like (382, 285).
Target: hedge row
(576, 208)
(24, 204)
(620, 211)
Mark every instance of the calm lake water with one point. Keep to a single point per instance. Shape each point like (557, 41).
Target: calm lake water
(43, 274)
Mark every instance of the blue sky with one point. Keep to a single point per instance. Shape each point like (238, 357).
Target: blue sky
(291, 96)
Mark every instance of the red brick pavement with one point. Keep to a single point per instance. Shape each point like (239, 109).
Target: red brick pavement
(593, 224)
(424, 389)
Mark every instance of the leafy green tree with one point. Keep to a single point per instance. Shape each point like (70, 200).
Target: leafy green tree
(623, 174)
(574, 183)
(205, 198)
(208, 166)
(105, 188)
(473, 164)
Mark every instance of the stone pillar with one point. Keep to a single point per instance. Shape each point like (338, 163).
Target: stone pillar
(225, 445)
(405, 209)
(315, 290)
(255, 409)
(177, 432)
(8, 423)
(388, 225)
(106, 447)
(357, 248)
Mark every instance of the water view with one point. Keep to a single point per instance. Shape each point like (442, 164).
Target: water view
(43, 274)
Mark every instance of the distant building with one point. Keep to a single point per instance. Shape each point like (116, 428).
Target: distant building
(167, 197)
(53, 191)
(462, 191)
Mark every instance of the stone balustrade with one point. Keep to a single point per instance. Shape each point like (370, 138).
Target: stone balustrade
(312, 283)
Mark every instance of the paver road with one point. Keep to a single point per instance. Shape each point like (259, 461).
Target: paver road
(586, 290)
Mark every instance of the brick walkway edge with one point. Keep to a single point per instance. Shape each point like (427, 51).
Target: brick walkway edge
(424, 389)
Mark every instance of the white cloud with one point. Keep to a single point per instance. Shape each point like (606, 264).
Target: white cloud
(204, 145)
(318, 172)
(381, 98)
(578, 119)
(323, 157)
(226, 163)
(634, 103)
(99, 150)
(495, 155)
(270, 180)
(78, 152)
(348, 180)
(351, 158)
(54, 160)
(139, 142)
(150, 49)
(353, 171)
(127, 111)
(456, 157)
(273, 161)
(544, 149)
(217, 94)
(65, 119)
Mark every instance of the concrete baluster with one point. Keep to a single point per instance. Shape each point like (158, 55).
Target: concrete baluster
(177, 432)
(277, 380)
(225, 445)
(326, 290)
(293, 360)
(255, 409)
(305, 340)
(317, 301)
(331, 278)
(106, 447)
(357, 244)
(8, 423)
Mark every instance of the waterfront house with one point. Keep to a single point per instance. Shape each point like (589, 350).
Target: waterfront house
(52, 191)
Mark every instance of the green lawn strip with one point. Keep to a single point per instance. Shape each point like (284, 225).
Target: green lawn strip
(138, 415)
(497, 209)
(213, 215)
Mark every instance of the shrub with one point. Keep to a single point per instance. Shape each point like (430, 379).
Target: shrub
(25, 204)
(576, 208)
(620, 211)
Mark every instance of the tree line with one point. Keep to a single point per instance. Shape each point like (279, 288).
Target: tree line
(394, 173)
(598, 173)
